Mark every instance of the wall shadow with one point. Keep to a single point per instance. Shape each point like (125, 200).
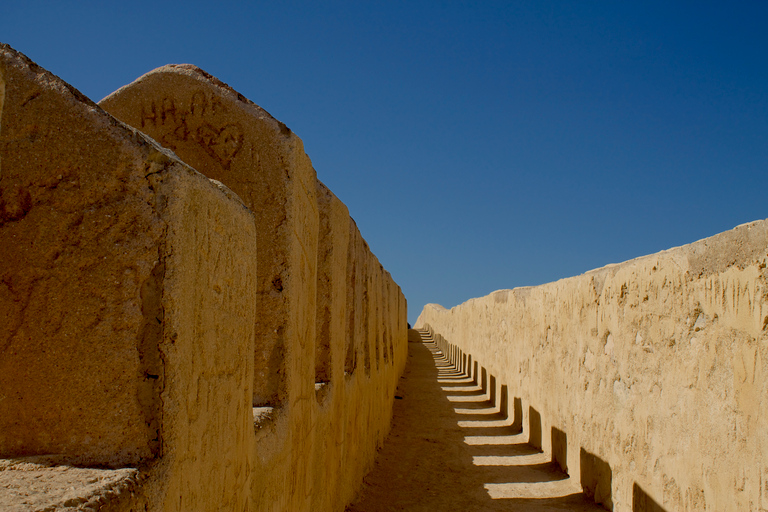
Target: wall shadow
(560, 449)
(447, 456)
(534, 428)
(492, 398)
(596, 478)
(504, 401)
(518, 414)
(641, 502)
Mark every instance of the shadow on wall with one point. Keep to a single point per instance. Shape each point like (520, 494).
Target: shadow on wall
(492, 464)
(534, 428)
(560, 449)
(641, 502)
(596, 476)
(508, 447)
(518, 414)
(516, 474)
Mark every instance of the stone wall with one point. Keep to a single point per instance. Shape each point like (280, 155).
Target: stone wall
(648, 379)
(192, 322)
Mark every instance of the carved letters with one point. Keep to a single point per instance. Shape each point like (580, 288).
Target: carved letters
(203, 121)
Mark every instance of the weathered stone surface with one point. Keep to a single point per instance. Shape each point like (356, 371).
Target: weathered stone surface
(136, 332)
(324, 301)
(232, 140)
(126, 297)
(80, 236)
(32, 484)
(208, 334)
(653, 371)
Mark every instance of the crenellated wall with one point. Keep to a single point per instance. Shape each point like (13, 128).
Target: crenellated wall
(218, 324)
(190, 320)
(647, 379)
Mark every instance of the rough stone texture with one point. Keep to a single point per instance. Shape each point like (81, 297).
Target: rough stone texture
(126, 301)
(652, 373)
(208, 339)
(230, 139)
(324, 301)
(33, 484)
(80, 235)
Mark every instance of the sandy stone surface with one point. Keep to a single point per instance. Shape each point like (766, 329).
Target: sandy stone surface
(79, 236)
(230, 139)
(653, 372)
(450, 450)
(139, 331)
(127, 299)
(331, 323)
(45, 484)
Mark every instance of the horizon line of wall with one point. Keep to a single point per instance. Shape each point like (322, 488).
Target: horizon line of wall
(651, 375)
(195, 311)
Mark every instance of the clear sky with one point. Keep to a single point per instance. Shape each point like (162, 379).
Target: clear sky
(479, 145)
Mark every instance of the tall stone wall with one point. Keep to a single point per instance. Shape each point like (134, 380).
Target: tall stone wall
(222, 135)
(651, 375)
(192, 322)
(127, 293)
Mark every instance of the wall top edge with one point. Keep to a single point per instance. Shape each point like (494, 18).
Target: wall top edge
(200, 75)
(739, 247)
(160, 157)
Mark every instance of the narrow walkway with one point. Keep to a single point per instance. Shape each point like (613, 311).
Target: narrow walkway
(451, 450)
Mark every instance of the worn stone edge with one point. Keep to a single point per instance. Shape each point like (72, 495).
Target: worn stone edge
(689, 256)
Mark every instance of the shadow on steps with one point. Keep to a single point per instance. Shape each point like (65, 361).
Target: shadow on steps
(452, 448)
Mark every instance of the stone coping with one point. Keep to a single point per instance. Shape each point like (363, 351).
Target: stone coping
(51, 483)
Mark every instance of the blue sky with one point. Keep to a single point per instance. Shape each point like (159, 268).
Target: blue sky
(478, 145)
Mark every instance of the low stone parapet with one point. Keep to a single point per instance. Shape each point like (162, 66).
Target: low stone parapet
(648, 379)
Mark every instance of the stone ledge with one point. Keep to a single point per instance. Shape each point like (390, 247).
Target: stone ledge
(50, 483)
(263, 416)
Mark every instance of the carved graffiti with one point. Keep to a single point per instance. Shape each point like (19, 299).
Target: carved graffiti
(204, 122)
